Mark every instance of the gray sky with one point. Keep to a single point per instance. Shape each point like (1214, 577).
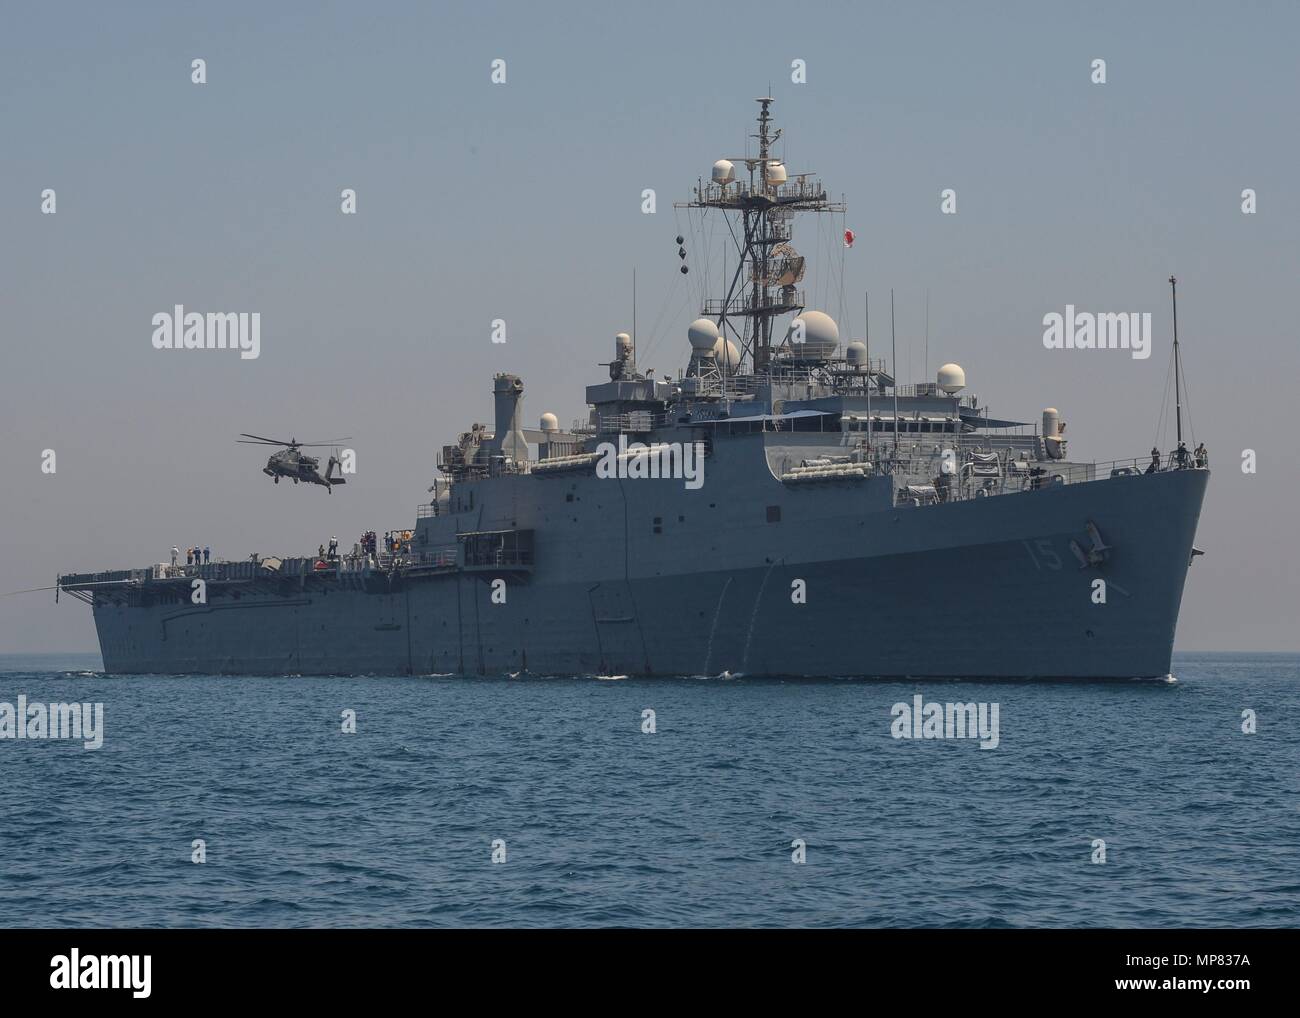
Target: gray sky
(523, 202)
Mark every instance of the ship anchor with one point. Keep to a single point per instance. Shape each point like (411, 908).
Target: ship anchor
(1096, 554)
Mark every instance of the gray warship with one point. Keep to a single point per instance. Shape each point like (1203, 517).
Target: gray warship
(781, 507)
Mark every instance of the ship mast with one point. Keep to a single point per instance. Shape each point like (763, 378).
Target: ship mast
(1178, 391)
(765, 206)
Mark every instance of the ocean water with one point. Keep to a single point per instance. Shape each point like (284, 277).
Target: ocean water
(692, 825)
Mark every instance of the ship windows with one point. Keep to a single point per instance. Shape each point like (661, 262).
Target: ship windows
(774, 514)
(659, 525)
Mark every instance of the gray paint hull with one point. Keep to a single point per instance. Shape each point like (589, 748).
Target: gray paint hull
(978, 588)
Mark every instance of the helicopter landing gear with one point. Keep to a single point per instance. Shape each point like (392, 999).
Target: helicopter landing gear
(277, 480)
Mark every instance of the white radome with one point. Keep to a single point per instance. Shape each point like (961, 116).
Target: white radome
(856, 353)
(724, 171)
(820, 336)
(776, 173)
(703, 335)
(727, 354)
(951, 378)
(550, 422)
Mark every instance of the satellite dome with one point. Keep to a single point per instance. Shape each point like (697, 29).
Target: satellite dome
(703, 335)
(820, 336)
(857, 353)
(723, 172)
(727, 354)
(550, 422)
(622, 342)
(776, 173)
(951, 378)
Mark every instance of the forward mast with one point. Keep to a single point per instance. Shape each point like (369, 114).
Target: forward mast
(765, 284)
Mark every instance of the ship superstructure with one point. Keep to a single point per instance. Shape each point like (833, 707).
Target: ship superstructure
(838, 523)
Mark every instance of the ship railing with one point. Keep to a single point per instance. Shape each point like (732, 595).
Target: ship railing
(389, 560)
(1036, 475)
(730, 385)
(787, 371)
(928, 389)
(634, 421)
(785, 297)
(107, 576)
(1074, 473)
(738, 192)
(741, 385)
(508, 549)
(442, 558)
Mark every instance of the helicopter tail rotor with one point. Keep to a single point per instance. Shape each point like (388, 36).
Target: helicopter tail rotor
(329, 471)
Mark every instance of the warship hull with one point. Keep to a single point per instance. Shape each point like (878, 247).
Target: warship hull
(782, 507)
(980, 588)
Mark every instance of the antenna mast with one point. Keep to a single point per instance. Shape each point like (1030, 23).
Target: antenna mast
(866, 316)
(893, 342)
(926, 371)
(1178, 392)
(766, 205)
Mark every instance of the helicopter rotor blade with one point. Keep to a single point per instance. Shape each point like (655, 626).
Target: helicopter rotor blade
(268, 441)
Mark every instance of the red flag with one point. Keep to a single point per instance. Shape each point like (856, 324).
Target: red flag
(848, 238)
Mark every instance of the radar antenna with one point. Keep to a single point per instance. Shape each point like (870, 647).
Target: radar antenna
(766, 205)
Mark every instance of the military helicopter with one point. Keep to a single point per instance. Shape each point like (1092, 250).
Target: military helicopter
(291, 463)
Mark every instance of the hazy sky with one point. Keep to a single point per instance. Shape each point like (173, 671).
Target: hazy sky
(522, 202)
